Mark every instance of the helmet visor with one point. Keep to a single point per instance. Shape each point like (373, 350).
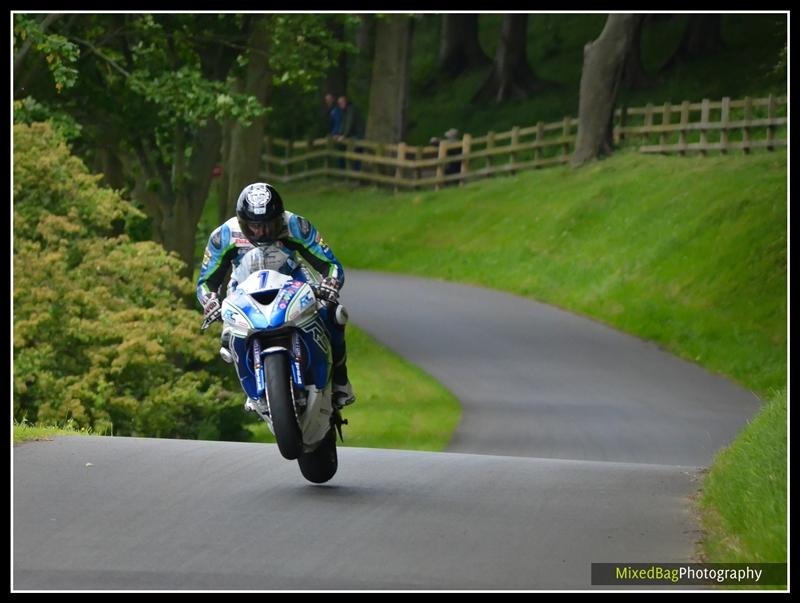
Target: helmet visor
(262, 232)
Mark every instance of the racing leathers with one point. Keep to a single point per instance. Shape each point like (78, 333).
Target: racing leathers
(297, 248)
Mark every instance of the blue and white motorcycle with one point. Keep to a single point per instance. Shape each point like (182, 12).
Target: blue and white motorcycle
(281, 349)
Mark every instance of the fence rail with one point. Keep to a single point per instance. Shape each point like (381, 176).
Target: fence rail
(701, 127)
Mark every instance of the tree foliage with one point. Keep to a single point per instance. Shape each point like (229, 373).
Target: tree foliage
(151, 92)
(102, 333)
(60, 54)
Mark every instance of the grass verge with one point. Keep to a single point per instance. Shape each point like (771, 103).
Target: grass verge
(397, 405)
(744, 497)
(26, 432)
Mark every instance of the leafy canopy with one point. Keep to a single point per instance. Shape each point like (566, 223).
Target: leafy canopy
(102, 333)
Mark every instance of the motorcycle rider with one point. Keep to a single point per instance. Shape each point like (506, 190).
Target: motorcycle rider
(261, 221)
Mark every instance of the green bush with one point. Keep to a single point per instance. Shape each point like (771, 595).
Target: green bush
(104, 330)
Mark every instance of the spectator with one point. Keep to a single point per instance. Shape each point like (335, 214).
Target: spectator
(453, 167)
(352, 122)
(333, 114)
(352, 125)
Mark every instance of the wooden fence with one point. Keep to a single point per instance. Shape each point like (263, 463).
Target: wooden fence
(723, 126)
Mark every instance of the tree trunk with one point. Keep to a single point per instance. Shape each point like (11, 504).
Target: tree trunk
(460, 49)
(634, 76)
(388, 99)
(702, 36)
(603, 64)
(224, 202)
(109, 165)
(106, 156)
(365, 37)
(511, 75)
(360, 65)
(336, 78)
(174, 200)
(243, 164)
(205, 157)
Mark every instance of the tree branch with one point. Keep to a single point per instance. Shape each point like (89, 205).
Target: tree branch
(43, 25)
(97, 52)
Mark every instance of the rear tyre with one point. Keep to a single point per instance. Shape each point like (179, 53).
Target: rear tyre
(281, 406)
(321, 465)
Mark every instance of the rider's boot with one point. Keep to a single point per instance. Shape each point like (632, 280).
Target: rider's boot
(343, 394)
(225, 346)
(342, 390)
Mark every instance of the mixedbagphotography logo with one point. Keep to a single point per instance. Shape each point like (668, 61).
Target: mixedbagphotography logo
(689, 574)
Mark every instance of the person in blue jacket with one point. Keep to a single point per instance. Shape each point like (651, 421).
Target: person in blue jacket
(334, 114)
(261, 221)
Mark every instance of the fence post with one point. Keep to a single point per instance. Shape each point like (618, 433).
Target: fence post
(466, 147)
(514, 143)
(401, 157)
(565, 135)
(349, 162)
(328, 151)
(309, 147)
(440, 166)
(623, 117)
(684, 122)
(748, 116)
(771, 109)
(418, 158)
(724, 118)
(489, 147)
(665, 121)
(648, 122)
(705, 113)
(539, 142)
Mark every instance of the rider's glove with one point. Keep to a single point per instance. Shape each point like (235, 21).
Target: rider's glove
(329, 290)
(212, 308)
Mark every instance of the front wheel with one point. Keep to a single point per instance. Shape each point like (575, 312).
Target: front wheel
(281, 406)
(321, 465)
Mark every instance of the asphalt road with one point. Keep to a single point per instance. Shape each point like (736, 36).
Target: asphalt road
(177, 514)
(537, 381)
(584, 445)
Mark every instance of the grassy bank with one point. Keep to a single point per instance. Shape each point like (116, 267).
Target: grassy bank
(745, 494)
(397, 405)
(686, 252)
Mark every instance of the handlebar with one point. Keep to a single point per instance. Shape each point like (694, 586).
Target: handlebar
(209, 320)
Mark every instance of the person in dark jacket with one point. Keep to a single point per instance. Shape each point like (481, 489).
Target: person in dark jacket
(333, 114)
(352, 125)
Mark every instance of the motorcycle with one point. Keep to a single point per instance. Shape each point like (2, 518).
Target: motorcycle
(282, 353)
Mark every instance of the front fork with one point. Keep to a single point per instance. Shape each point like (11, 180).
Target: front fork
(261, 388)
(336, 416)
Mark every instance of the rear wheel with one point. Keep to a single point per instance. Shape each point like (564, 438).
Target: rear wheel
(281, 406)
(321, 465)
